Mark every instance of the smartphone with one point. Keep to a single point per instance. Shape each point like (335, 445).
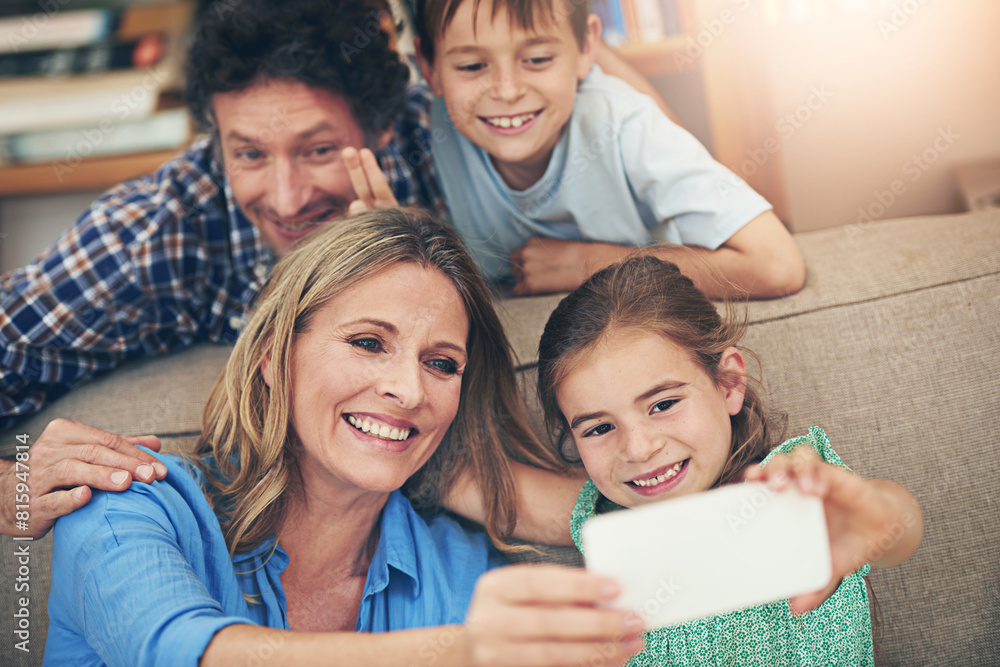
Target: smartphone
(708, 553)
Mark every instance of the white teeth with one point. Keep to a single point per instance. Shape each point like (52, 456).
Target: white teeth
(659, 479)
(383, 431)
(510, 121)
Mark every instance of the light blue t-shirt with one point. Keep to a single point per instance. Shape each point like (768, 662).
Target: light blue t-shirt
(144, 577)
(621, 172)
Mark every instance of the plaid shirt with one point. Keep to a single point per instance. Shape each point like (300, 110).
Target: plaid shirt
(155, 265)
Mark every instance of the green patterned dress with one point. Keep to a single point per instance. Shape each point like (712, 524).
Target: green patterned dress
(838, 632)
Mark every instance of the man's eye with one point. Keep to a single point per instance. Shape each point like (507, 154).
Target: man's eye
(600, 429)
(249, 154)
(663, 406)
(367, 344)
(324, 151)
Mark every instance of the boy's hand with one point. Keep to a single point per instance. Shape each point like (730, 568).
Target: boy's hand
(869, 521)
(68, 460)
(370, 184)
(555, 265)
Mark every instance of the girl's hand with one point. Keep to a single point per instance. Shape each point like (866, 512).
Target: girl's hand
(370, 184)
(869, 521)
(548, 615)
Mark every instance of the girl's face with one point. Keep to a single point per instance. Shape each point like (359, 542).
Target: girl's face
(648, 421)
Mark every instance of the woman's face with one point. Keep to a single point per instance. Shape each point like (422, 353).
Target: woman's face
(648, 421)
(376, 379)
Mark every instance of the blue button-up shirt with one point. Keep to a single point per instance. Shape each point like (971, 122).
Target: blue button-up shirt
(144, 577)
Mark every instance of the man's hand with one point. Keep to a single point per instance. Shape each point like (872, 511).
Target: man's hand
(370, 184)
(544, 265)
(68, 460)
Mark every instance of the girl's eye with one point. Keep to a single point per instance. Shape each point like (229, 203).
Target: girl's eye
(446, 366)
(663, 406)
(600, 429)
(367, 344)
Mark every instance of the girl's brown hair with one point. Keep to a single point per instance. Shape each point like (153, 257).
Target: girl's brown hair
(246, 426)
(647, 294)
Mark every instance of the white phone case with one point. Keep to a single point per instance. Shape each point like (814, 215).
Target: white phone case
(712, 552)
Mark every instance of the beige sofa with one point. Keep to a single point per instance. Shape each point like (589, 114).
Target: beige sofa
(893, 347)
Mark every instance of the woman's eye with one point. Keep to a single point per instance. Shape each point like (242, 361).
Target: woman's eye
(367, 344)
(446, 366)
(600, 429)
(663, 406)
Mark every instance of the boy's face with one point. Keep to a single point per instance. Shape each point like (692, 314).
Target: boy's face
(509, 90)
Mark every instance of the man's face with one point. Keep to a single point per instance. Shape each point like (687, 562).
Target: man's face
(281, 143)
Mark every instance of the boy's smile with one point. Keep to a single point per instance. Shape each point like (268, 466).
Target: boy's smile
(510, 90)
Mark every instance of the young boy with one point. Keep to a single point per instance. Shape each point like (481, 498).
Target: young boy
(552, 169)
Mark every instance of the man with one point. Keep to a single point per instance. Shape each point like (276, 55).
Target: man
(168, 260)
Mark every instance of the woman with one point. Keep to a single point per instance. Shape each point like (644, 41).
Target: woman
(373, 362)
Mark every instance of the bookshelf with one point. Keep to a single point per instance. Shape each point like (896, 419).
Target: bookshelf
(173, 18)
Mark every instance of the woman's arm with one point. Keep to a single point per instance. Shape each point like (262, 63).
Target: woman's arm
(521, 615)
(869, 520)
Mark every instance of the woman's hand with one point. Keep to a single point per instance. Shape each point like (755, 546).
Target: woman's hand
(548, 615)
(370, 184)
(869, 521)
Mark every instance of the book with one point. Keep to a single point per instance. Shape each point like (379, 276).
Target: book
(56, 29)
(649, 20)
(671, 18)
(37, 103)
(143, 52)
(163, 130)
(612, 23)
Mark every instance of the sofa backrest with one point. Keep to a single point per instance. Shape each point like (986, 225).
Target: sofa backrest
(890, 347)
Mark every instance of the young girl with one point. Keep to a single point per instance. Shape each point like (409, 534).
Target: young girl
(639, 375)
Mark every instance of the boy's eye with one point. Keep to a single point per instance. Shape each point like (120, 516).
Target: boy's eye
(600, 429)
(663, 406)
(473, 67)
(539, 61)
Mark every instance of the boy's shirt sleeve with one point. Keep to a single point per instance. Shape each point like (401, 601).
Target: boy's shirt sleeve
(694, 199)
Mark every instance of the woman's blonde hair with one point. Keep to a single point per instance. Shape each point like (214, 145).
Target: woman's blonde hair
(647, 294)
(246, 425)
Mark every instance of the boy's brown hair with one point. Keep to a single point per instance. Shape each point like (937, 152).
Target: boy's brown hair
(434, 16)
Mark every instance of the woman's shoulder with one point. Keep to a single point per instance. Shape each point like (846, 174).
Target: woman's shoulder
(174, 504)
